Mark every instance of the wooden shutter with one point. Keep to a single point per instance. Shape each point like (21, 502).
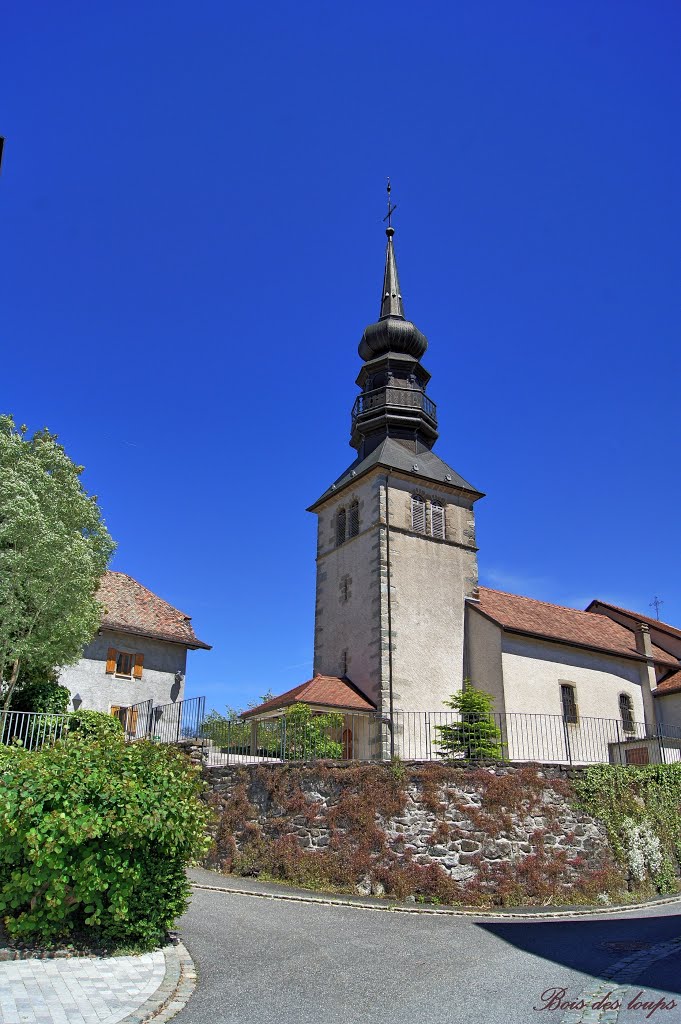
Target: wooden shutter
(111, 656)
(131, 724)
(137, 669)
(637, 755)
(418, 514)
(437, 520)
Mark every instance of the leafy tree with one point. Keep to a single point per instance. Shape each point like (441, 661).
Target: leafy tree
(476, 735)
(54, 548)
(306, 734)
(40, 692)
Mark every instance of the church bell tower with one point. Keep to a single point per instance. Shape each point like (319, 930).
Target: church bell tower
(396, 554)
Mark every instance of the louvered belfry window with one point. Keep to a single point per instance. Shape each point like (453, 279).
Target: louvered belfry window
(418, 514)
(437, 519)
(340, 527)
(353, 519)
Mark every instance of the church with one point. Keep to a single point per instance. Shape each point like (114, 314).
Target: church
(401, 622)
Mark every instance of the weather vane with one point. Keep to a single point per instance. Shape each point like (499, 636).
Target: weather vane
(656, 603)
(391, 207)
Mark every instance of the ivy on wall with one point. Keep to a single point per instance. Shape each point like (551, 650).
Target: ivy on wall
(641, 809)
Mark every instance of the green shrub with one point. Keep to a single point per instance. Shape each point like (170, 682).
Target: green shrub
(94, 839)
(476, 735)
(95, 725)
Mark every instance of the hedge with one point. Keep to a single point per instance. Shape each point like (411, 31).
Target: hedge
(94, 839)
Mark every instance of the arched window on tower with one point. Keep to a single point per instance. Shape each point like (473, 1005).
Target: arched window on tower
(418, 514)
(353, 519)
(340, 527)
(437, 519)
(627, 712)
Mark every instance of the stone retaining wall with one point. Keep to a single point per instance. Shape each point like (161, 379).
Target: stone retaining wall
(466, 830)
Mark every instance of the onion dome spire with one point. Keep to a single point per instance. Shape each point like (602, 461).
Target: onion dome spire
(393, 332)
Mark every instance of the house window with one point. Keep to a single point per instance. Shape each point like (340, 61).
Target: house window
(418, 514)
(340, 527)
(345, 589)
(627, 712)
(344, 663)
(122, 663)
(353, 519)
(567, 698)
(437, 520)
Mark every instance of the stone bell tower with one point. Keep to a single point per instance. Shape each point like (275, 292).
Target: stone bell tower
(396, 554)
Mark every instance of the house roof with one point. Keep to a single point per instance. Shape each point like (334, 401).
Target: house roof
(131, 608)
(392, 455)
(566, 625)
(327, 691)
(664, 627)
(672, 684)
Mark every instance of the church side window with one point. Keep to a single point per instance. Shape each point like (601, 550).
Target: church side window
(340, 527)
(437, 519)
(418, 514)
(353, 519)
(569, 701)
(627, 712)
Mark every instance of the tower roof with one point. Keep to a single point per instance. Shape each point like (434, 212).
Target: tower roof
(392, 332)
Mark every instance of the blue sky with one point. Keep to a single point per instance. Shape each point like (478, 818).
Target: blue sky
(191, 205)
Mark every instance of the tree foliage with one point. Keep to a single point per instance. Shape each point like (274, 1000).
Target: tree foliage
(40, 692)
(95, 835)
(54, 547)
(476, 735)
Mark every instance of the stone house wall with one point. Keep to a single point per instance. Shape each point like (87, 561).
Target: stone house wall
(100, 692)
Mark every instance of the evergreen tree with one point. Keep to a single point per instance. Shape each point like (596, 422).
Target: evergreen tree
(476, 735)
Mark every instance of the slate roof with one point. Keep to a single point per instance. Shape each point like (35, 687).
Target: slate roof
(329, 691)
(567, 625)
(131, 608)
(393, 455)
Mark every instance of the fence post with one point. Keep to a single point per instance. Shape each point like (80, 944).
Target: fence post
(659, 743)
(619, 741)
(567, 739)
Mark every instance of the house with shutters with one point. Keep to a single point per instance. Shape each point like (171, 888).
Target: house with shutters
(138, 654)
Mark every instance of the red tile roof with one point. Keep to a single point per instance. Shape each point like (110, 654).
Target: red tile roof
(328, 691)
(663, 626)
(131, 608)
(567, 625)
(672, 684)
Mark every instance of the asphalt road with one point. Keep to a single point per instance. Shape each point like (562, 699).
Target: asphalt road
(273, 962)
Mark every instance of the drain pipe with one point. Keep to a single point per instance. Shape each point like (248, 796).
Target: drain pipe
(390, 617)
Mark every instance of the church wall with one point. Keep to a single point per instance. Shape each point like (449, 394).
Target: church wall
(430, 579)
(534, 669)
(533, 672)
(351, 623)
(668, 710)
(482, 661)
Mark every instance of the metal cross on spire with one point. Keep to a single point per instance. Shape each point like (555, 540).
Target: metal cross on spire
(656, 603)
(391, 209)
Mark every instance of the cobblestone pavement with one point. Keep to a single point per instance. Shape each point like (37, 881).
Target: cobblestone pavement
(93, 990)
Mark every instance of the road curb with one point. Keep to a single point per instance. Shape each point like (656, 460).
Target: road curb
(400, 908)
(173, 993)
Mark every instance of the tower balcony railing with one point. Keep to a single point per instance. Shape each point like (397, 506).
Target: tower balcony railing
(393, 396)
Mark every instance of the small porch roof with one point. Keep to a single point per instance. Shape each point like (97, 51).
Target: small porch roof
(319, 692)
